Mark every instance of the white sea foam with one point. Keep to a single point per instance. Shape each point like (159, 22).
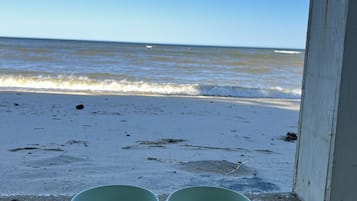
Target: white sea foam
(287, 52)
(85, 84)
(73, 83)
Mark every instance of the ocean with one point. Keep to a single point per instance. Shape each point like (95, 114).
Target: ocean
(68, 66)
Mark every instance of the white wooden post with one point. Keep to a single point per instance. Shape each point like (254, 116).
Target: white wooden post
(326, 161)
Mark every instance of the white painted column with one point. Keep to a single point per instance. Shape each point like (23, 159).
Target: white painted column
(326, 161)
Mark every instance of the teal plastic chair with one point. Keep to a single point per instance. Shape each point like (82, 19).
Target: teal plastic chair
(206, 193)
(115, 193)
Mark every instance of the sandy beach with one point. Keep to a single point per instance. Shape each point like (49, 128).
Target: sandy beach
(48, 146)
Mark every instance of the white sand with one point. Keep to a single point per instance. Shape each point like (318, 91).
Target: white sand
(118, 140)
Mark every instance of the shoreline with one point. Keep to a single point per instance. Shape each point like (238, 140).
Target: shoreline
(84, 93)
(158, 142)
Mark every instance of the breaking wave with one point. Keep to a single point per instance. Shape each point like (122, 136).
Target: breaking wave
(287, 52)
(87, 84)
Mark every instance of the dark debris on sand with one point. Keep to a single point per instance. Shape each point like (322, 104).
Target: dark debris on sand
(71, 142)
(161, 141)
(34, 148)
(80, 107)
(290, 136)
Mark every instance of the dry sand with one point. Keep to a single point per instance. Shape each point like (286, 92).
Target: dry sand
(47, 146)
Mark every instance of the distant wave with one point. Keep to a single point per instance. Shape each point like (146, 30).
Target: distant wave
(80, 84)
(287, 52)
(237, 91)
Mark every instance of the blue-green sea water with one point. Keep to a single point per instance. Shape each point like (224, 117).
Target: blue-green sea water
(153, 69)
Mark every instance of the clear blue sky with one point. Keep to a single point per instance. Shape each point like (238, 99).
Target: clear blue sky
(258, 23)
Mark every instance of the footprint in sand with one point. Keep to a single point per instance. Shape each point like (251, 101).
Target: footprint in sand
(220, 167)
(55, 161)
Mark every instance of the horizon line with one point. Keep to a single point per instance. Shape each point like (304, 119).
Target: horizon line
(147, 43)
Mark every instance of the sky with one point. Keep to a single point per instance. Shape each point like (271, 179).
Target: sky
(247, 23)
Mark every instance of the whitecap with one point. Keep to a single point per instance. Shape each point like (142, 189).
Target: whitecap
(287, 52)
